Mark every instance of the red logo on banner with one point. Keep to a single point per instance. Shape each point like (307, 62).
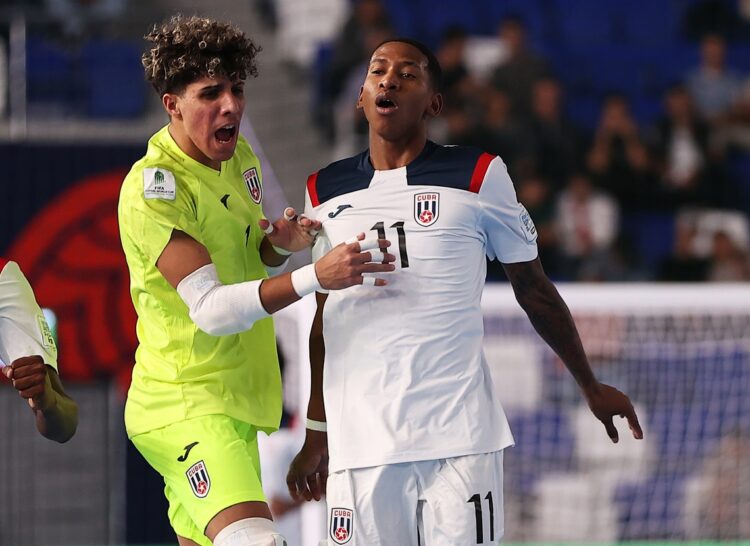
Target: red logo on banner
(72, 256)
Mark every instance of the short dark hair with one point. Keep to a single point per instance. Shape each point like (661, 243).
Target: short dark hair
(184, 49)
(433, 65)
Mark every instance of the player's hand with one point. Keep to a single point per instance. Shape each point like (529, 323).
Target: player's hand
(291, 232)
(605, 402)
(29, 377)
(308, 472)
(346, 263)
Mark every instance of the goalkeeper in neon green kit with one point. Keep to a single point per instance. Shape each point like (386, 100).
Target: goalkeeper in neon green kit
(200, 251)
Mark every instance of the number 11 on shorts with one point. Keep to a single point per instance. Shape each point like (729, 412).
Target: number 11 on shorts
(476, 499)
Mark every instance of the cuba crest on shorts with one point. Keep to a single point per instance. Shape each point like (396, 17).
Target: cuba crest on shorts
(341, 527)
(199, 480)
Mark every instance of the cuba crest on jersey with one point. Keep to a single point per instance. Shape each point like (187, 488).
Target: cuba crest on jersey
(426, 208)
(199, 480)
(254, 187)
(341, 527)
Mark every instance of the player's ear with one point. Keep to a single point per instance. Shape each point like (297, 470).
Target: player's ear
(169, 101)
(435, 106)
(360, 104)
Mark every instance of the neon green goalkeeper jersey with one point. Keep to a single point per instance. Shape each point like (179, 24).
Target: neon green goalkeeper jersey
(180, 371)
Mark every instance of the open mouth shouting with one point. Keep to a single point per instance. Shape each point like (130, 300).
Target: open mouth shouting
(385, 104)
(226, 133)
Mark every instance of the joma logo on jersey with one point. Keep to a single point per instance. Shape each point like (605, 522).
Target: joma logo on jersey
(252, 181)
(341, 526)
(426, 208)
(200, 483)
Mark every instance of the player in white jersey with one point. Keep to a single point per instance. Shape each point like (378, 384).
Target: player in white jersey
(28, 356)
(415, 432)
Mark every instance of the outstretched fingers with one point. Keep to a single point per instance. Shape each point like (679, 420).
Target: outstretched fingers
(611, 430)
(635, 426)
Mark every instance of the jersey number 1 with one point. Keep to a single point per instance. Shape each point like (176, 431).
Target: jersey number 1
(476, 499)
(380, 228)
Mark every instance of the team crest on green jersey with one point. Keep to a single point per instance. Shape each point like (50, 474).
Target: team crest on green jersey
(252, 182)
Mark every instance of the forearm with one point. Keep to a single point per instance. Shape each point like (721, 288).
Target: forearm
(552, 320)
(277, 293)
(269, 256)
(316, 407)
(59, 421)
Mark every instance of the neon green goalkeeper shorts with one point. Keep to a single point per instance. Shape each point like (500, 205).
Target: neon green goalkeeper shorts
(208, 463)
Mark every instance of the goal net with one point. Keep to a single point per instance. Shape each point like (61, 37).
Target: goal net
(682, 353)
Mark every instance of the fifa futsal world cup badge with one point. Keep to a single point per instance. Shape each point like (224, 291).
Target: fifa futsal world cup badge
(341, 527)
(426, 208)
(200, 483)
(252, 181)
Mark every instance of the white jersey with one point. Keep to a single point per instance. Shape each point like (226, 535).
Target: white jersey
(405, 378)
(23, 328)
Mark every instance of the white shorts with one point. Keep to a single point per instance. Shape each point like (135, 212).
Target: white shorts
(444, 502)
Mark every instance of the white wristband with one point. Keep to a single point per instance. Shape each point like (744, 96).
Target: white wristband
(305, 280)
(281, 251)
(320, 426)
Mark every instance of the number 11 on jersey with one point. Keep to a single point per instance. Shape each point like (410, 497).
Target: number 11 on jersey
(380, 228)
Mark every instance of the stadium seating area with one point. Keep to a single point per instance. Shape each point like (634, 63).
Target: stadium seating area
(99, 79)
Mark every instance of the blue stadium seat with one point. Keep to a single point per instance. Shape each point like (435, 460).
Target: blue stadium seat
(437, 15)
(544, 443)
(739, 169)
(114, 79)
(402, 17)
(652, 233)
(50, 77)
(536, 16)
(651, 509)
(585, 22)
(649, 22)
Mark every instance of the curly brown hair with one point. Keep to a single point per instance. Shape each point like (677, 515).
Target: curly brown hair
(185, 49)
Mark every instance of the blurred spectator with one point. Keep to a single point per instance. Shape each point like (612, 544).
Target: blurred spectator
(683, 265)
(736, 128)
(459, 126)
(266, 10)
(521, 69)
(588, 221)
(350, 126)
(618, 159)
(729, 263)
(501, 133)
(557, 143)
(79, 19)
(681, 143)
(350, 49)
(712, 85)
(303, 26)
(535, 193)
(717, 17)
(458, 83)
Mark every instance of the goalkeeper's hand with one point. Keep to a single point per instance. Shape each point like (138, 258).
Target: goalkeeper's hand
(308, 472)
(605, 402)
(292, 232)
